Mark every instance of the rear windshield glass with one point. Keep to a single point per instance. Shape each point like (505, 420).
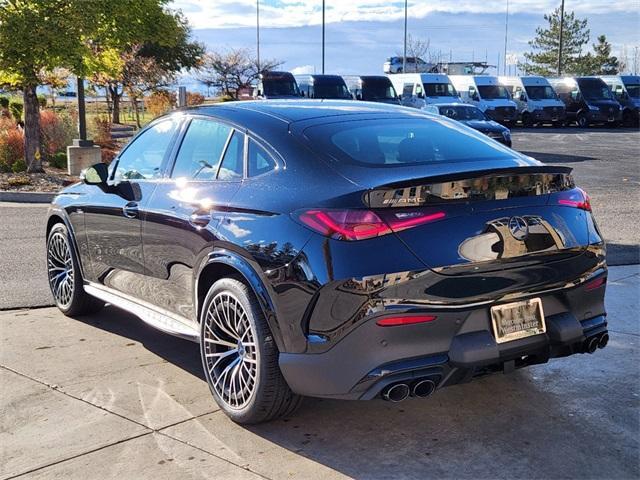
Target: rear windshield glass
(404, 141)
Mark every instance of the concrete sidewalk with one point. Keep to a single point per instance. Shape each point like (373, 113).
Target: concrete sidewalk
(108, 397)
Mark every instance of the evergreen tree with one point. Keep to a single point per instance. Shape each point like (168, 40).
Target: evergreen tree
(543, 59)
(603, 62)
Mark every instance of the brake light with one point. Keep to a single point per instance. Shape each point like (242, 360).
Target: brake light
(362, 224)
(405, 320)
(597, 283)
(576, 198)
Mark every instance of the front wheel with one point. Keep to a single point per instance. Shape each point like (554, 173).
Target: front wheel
(583, 121)
(240, 357)
(65, 278)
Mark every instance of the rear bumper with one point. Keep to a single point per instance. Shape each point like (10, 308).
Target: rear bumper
(458, 346)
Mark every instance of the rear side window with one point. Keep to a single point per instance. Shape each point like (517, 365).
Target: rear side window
(407, 89)
(232, 164)
(201, 149)
(258, 161)
(401, 142)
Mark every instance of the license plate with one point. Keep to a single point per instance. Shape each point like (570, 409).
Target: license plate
(513, 321)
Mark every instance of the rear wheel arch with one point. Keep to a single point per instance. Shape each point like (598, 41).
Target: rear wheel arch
(226, 264)
(56, 218)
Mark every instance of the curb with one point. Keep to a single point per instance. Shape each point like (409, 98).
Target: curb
(27, 197)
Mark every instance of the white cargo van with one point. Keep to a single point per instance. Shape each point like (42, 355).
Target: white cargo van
(486, 93)
(419, 89)
(537, 101)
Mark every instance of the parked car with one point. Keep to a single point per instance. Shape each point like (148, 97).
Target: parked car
(323, 86)
(473, 117)
(276, 85)
(336, 249)
(413, 64)
(537, 101)
(372, 88)
(588, 101)
(486, 93)
(626, 90)
(420, 89)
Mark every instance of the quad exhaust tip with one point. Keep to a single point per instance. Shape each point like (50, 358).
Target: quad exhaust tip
(396, 392)
(591, 344)
(604, 340)
(423, 388)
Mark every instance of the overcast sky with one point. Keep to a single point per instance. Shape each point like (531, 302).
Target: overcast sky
(360, 34)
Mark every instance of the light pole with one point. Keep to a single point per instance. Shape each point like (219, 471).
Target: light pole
(323, 37)
(560, 42)
(258, 34)
(404, 52)
(506, 32)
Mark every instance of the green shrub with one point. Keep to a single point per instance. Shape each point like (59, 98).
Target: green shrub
(19, 166)
(4, 167)
(4, 102)
(59, 160)
(19, 181)
(42, 100)
(16, 110)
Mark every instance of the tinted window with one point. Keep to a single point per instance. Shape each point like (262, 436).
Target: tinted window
(378, 90)
(633, 90)
(328, 89)
(232, 163)
(490, 92)
(258, 161)
(540, 92)
(280, 87)
(440, 90)
(463, 112)
(407, 90)
(200, 151)
(594, 89)
(401, 142)
(142, 160)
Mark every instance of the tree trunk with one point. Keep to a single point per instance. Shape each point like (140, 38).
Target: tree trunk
(115, 101)
(32, 130)
(136, 110)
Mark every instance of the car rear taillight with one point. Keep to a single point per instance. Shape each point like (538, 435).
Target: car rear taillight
(363, 224)
(575, 197)
(405, 320)
(594, 284)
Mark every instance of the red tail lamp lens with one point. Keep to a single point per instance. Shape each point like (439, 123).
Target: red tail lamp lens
(405, 320)
(362, 224)
(576, 198)
(597, 283)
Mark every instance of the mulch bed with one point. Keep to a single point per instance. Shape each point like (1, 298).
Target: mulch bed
(53, 180)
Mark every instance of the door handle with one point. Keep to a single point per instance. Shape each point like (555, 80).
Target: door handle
(130, 210)
(200, 220)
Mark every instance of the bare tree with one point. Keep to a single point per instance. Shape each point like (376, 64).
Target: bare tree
(417, 48)
(232, 70)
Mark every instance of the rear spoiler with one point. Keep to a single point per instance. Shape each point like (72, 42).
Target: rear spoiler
(494, 172)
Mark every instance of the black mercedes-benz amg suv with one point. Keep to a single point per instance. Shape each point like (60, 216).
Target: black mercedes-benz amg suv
(336, 249)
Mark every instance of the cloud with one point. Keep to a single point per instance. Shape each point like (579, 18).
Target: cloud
(290, 13)
(303, 69)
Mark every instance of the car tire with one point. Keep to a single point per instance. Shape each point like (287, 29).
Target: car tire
(240, 357)
(64, 275)
(582, 120)
(627, 118)
(559, 124)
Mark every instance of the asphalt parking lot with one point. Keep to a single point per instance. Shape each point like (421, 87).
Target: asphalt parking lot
(106, 396)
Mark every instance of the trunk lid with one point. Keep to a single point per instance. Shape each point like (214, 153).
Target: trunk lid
(488, 220)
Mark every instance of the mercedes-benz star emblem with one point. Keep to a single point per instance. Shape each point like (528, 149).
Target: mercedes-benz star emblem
(519, 228)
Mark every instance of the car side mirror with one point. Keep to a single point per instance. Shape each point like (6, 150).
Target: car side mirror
(523, 97)
(358, 97)
(259, 93)
(97, 174)
(420, 95)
